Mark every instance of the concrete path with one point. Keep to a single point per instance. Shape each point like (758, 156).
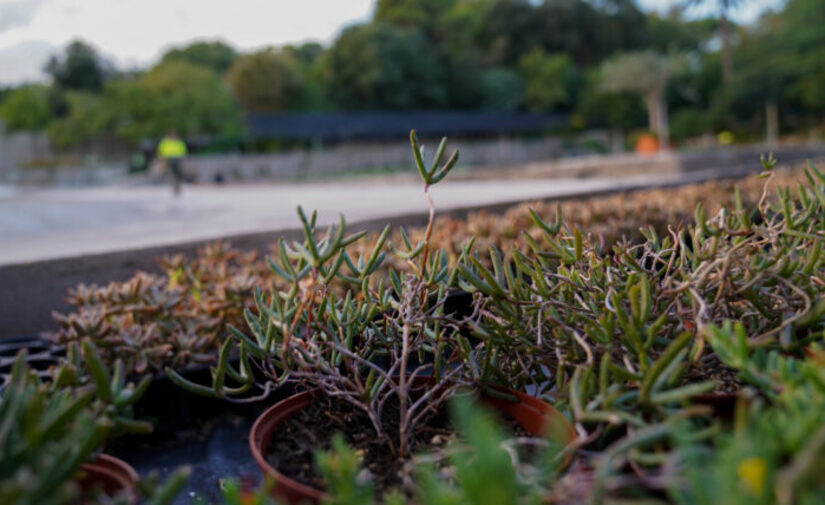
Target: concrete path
(40, 224)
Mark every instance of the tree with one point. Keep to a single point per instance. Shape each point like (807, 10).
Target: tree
(416, 14)
(509, 29)
(310, 61)
(215, 55)
(379, 67)
(724, 7)
(618, 111)
(463, 79)
(646, 73)
(265, 81)
(796, 35)
(27, 108)
(673, 32)
(578, 29)
(79, 68)
(87, 116)
(780, 68)
(308, 53)
(549, 79)
(618, 25)
(172, 95)
(503, 90)
(451, 28)
(587, 31)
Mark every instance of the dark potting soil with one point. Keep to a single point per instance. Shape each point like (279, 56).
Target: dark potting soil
(711, 368)
(296, 441)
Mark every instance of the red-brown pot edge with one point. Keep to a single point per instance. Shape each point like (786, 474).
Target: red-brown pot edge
(113, 474)
(529, 412)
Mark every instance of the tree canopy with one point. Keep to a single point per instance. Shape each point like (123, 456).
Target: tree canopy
(646, 73)
(550, 80)
(378, 67)
(174, 95)
(27, 108)
(266, 81)
(80, 67)
(603, 62)
(212, 54)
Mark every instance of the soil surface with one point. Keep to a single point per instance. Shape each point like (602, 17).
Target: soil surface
(711, 368)
(296, 441)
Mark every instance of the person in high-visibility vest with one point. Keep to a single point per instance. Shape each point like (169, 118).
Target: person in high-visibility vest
(172, 150)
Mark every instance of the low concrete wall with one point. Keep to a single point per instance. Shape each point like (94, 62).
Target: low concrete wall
(490, 159)
(726, 160)
(31, 159)
(351, 157)
(22, 148)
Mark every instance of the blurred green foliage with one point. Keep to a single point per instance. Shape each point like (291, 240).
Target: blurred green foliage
(215, 55)
(266, 81)
(26, 108)
(49, 428)
(379, 67)
(505, 55)
(80, 67)
(502, 89)
(483, 472)
(173, 95)
(550, 80)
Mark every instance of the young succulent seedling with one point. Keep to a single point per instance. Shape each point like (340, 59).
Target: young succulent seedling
(367, 343)
(49, 429)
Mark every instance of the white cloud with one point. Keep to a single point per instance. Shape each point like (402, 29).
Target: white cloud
(136, 32)
(24, 62)
(17, 12)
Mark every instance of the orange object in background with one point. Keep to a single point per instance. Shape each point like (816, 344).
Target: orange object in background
(647, 144)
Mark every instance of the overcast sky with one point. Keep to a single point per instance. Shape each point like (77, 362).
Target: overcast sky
(134, 33)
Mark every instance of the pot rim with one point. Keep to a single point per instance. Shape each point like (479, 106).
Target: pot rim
(268, 422)
(261, 433)
(117, 469)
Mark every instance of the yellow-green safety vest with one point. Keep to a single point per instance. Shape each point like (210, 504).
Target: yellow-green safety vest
(171, 148)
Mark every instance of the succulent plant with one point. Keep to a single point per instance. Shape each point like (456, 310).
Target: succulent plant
(177, 319)
(181, 317)
(613, 333)
(49, 429)
(622, 310)
(307, 334)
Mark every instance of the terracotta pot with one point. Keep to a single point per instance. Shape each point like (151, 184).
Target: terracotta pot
(111, 475)
(647, 144)
(535, 416)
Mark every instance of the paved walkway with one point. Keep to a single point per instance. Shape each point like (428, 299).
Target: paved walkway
(39, 224)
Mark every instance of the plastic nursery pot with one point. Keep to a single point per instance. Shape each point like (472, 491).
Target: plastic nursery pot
(110, 475)
(533, 415)
(173, 409)
(33, 346)
(41, 363)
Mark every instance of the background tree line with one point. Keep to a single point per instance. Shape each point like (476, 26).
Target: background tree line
(605, 63)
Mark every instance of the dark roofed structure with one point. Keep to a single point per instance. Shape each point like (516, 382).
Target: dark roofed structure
(394, 125)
